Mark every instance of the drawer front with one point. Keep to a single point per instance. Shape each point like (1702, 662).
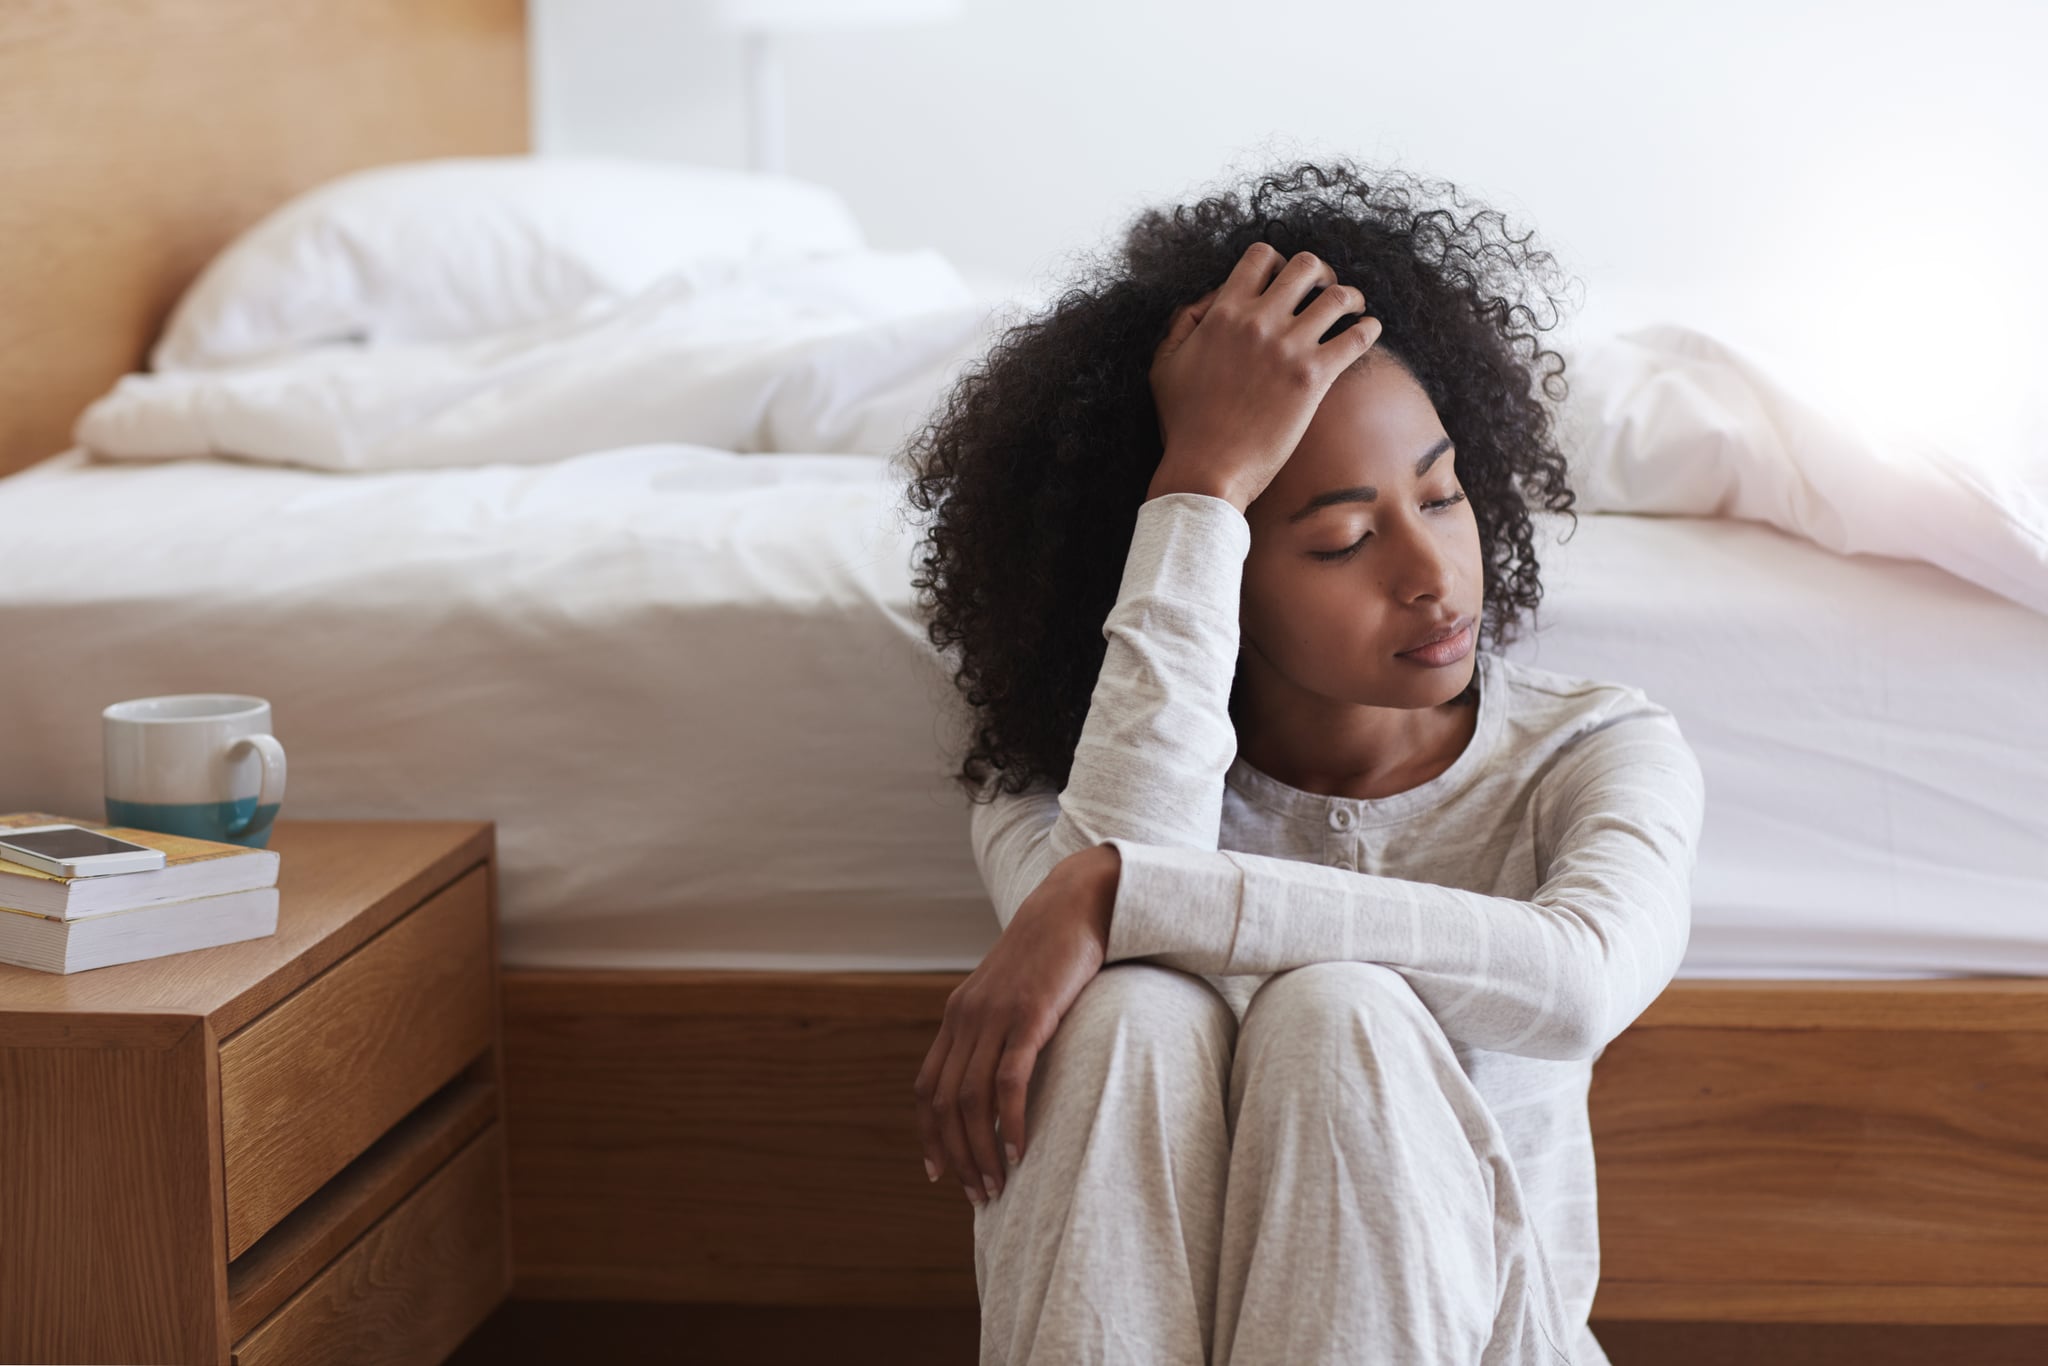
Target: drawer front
(322, 1075)
(410, 1289)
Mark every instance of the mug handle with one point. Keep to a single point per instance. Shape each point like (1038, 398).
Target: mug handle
(272, 792)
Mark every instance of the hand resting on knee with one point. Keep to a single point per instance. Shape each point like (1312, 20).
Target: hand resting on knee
(979, 1068)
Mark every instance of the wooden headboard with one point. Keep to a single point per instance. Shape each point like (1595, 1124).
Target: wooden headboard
(141, 135)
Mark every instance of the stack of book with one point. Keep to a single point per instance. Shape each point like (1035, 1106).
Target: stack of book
(207, 893)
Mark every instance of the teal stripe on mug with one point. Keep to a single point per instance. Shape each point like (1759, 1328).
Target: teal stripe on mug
(199, 820)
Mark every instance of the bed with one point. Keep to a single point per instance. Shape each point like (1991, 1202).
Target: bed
(626, 655)
(682, 631)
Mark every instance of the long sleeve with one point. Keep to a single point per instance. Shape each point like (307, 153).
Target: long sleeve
(1618, 814)
(1158, 739)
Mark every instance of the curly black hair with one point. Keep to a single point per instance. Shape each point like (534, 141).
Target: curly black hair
(1032, 468)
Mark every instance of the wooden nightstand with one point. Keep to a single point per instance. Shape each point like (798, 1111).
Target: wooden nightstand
(287, 1150)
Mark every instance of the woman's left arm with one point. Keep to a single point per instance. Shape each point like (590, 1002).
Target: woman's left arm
(1557, 976)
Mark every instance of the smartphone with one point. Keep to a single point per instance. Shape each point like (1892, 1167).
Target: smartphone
(74, 851)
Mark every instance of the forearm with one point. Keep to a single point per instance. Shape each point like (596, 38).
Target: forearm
(1546, 978)
(1554, 976)
(1157, 738)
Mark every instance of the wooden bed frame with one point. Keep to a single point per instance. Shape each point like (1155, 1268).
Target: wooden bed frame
(1795, 1152)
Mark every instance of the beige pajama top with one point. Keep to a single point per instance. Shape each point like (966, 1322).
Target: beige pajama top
(1535, 895)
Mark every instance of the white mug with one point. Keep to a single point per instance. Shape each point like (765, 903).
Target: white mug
(199, 764)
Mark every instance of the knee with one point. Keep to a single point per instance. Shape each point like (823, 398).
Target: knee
(1158, 1013)
(1313, 1001)
(1330, 1045)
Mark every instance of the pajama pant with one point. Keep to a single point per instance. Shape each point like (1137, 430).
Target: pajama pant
(1316, 1183)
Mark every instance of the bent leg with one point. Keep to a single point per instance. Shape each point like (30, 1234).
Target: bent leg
(1102, 1247)
(1372, 1212)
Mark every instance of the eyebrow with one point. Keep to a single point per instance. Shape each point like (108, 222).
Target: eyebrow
(1365, 493)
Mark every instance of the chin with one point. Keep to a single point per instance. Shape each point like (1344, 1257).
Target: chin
(1435, 687)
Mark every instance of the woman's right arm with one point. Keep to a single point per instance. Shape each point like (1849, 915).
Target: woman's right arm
(1234, 395)
(1235, 381)
(1158, 736)
(1149, 765)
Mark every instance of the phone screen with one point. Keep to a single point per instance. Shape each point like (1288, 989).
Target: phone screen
(68, 844)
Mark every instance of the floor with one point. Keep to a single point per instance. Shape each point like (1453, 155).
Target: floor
(526, 1333)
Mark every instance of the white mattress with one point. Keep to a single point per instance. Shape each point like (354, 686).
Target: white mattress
(689, 688)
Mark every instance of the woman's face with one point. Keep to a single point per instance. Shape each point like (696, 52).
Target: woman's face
(1331, 615)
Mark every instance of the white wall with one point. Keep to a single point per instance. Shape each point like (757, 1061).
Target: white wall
(1856, 190)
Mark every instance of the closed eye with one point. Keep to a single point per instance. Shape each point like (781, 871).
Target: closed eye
(1348, 551)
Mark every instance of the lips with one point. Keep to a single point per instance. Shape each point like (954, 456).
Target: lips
(1444, 632)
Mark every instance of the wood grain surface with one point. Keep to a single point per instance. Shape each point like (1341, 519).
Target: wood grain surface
(142, 135)
(412, 1288)
(110, 1228)
(113, 1169)
(332, 1217)
(339, 883)
(312, 1083)
(1821, 1152)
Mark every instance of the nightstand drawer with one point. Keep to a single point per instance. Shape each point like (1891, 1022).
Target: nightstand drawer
(410, 1289)
(314, 1081)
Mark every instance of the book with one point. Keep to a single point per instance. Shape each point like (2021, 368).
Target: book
(192, 868)
(50, 944)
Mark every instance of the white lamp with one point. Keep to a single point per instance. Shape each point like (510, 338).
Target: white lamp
(762, 22)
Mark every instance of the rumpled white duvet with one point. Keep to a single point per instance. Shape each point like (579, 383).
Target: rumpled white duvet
(845, 352)
(820, 353)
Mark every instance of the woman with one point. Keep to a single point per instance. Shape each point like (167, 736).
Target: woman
(1316, 912)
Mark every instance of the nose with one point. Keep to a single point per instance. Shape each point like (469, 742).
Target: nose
(1419, 559)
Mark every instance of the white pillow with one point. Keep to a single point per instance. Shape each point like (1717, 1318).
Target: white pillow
(457, 247)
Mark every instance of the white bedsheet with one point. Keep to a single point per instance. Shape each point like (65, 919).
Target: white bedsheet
(1870, 730)
(689, 687)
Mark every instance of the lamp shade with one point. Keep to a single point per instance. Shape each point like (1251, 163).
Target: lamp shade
(790, 16)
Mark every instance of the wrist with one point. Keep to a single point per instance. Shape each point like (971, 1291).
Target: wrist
(1169, 479)
(1108, 877)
